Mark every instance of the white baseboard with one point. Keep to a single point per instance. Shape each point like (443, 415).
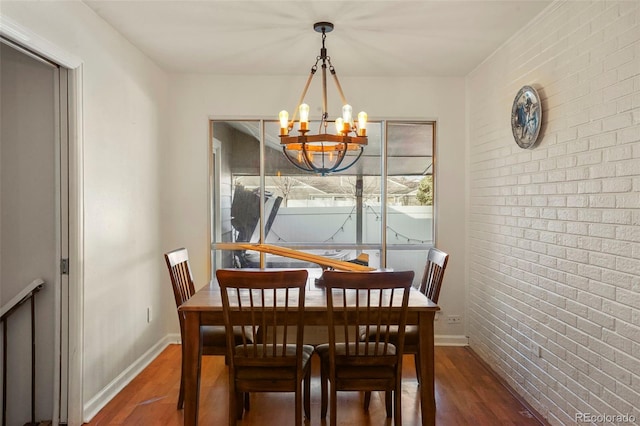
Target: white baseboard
(95, 404)
(451, 340)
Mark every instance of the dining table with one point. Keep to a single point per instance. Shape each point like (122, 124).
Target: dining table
(205, 308)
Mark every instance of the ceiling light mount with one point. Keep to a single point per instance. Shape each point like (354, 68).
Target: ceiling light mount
(323, 153)
(323, 27)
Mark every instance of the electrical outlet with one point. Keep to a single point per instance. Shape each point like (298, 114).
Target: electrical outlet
(454, 319)
(149, 314)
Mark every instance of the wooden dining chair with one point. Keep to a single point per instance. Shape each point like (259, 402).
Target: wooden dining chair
(374, 363)
(430, 286)
(271, 303)
(214, 338)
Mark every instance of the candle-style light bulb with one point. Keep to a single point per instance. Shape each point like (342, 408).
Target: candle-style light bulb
(304, 117)
(339, 125)
(362, 123)
(284, 123)
(347, 117)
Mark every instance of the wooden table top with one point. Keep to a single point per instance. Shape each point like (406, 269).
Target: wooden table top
(208, 299)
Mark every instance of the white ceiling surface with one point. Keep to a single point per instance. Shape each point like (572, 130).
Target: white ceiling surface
(371, 38)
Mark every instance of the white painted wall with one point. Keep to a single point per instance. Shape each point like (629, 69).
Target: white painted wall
(196, 98)
(553, 233)
(123, 120)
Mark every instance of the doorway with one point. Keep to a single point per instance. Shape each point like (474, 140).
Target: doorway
(34, 226)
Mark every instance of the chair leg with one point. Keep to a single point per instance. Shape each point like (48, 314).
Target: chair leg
(397, 408)
(388, 403)
(247, 404)
(233, 411)
(239, 396)
(298, 404)
(324, 392)
(307, 394)
(367, 400)
(416, 360)
(181, 393)
(333, 416)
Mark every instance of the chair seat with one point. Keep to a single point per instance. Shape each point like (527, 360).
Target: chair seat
(353, 370)
(216, 335)
(266, 351)
(341, 349)
(410, 335)
(269, 373)
(370, 373)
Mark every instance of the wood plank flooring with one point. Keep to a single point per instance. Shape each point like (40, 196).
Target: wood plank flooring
(467, 393)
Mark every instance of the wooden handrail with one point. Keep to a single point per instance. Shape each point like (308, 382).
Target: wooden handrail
(26, 294)
(20, 298)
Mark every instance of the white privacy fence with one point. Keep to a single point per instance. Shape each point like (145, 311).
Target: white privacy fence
(338, 225)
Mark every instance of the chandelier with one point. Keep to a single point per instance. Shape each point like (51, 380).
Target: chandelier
(325, 152)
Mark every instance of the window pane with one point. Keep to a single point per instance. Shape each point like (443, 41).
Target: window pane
(409, 184)
(408, 260)
(236, 153)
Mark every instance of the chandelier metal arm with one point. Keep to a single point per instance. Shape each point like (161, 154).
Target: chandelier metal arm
(351, 163)
(292, 161)
(309, 167)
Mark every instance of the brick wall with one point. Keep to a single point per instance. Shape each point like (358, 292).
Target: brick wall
(554, 232)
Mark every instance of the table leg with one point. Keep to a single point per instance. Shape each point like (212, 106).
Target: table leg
(427, 368)
(191, 367)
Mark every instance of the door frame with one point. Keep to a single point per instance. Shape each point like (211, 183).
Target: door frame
(38, 45)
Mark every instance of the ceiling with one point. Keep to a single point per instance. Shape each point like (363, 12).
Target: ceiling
(371, 38)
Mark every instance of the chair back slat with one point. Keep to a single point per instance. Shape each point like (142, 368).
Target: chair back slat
(434, 273)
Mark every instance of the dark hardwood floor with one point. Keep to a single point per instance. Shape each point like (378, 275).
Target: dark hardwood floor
(467, 393)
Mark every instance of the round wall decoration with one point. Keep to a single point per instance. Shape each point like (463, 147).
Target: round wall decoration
(526, 117)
